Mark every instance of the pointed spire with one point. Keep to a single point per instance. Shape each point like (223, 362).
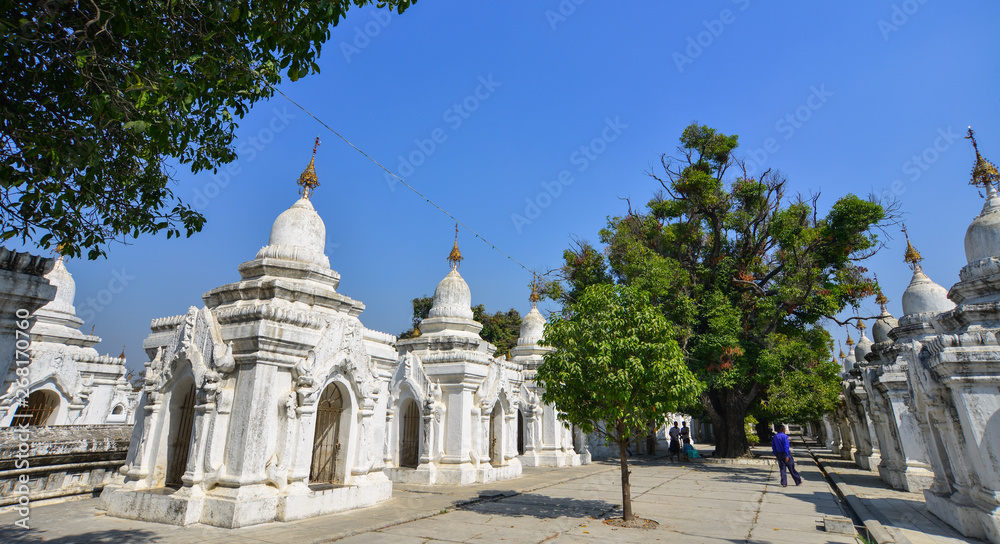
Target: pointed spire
(842, 356)
(880, 297)
(862, 327)
(850, 341)
(455, 257)
(984, 173)
(122, 356)
(912, 256)
(308, 180)
(534, 298)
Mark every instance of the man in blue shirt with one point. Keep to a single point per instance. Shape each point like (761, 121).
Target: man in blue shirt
(782, 450)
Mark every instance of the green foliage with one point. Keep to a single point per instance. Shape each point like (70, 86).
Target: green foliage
(500, 329)
(616, 365)
(750, 426)
(744, 275)
(99, 96)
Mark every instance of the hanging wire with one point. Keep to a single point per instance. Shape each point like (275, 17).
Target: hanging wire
(401, 180)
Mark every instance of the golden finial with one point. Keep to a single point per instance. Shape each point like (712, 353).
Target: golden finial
(455, 257)
(534, 298)
(862, 327)
(842, 356)
(308, 180)
(984, 173)
(912, 256)
(879, 296)
(122, 356)
(850, 341)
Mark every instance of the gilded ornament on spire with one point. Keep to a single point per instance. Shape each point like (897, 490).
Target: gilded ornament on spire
(455, 257)
(861, 326)
(850, 341)
(912, 256)
(534, 298)
(842, 356)
(984, 173)
(879, 296)
(308, 180)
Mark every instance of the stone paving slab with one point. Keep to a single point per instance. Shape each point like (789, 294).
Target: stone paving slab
(903, 515)
(694, 502)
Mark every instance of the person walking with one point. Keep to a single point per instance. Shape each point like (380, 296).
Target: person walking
(675, 443)
(783, 452)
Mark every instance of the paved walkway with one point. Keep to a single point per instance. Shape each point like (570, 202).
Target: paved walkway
(904, 515)
(694, 503)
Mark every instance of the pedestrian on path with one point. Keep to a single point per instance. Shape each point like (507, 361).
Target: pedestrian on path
(675, 443)
(782, 450)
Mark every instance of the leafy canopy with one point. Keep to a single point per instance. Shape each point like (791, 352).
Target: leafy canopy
(100, 96)
(744, 273)
(616, 365)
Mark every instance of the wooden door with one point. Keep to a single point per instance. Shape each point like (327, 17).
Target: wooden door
(409, 441)
(326, 440)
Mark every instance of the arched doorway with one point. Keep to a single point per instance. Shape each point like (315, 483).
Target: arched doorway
(179, 440)
(520, 433)
(496, 431)
(326, 440)
(37, 410)
(409, 435)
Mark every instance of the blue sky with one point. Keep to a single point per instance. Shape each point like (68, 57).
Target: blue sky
(564, 105)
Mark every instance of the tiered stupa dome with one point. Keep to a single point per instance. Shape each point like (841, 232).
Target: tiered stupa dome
(982, 239)
(533, 324)
(885, 323)
(863, 348)
(923, 295)
(299, 234)
(850, 360)
(452, 297)
(299, 226)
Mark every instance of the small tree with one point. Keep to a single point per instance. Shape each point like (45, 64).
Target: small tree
(616, 366)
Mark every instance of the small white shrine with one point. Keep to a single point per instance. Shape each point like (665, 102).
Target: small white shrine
(543, 439)
(69, 382)
(268, 403)
(453, 415)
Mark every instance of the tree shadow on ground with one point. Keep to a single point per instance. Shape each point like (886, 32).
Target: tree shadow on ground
(17, 535)
(542, 507)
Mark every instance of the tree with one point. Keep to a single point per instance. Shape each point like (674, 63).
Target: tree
(500, 329)
(745, 275)
(101, 96)
(616, 366)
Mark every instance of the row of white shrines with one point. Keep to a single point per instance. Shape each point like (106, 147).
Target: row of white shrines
(273, 402)
(921, 403)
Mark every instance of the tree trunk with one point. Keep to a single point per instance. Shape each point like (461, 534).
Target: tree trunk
(627, 514)
(728, 410)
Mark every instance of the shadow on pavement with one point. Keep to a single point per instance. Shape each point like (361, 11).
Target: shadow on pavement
(111, 536)
(542, 506)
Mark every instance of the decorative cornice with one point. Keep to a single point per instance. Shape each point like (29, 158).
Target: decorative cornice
(165, 323)
(256, 312)
(25, 263)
